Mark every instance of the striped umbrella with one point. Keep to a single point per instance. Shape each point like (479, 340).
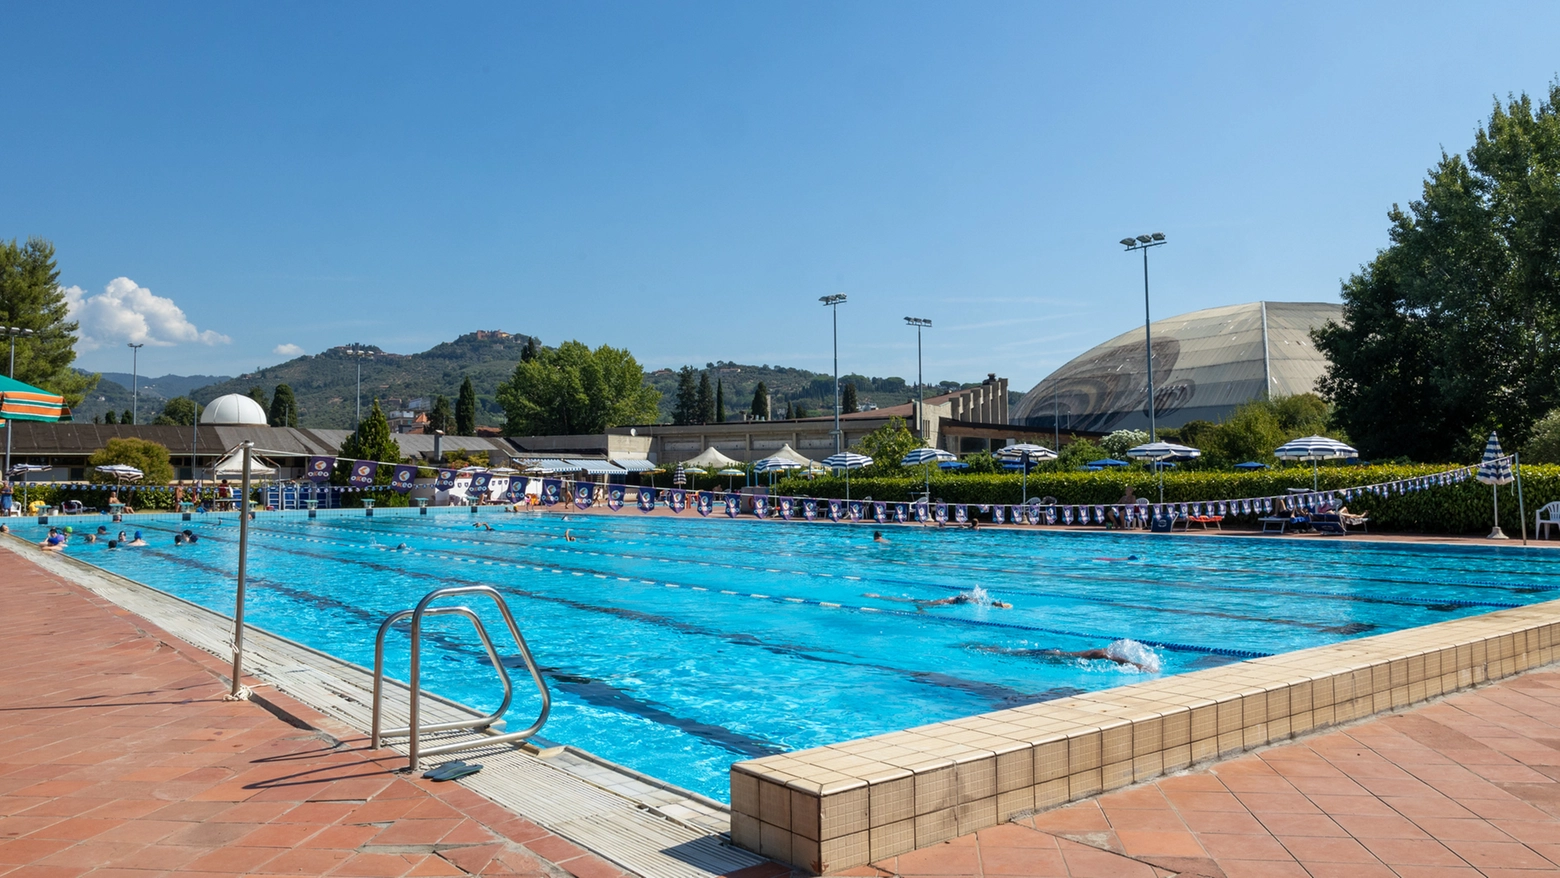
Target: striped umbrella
(680, 476)
(847, 461)
(925, 455)
(1495, 470)
(1026, 450)
(1314, 448)
(776, 464)
(1158, 451)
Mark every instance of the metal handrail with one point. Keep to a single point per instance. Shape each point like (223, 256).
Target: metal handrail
(415, 729)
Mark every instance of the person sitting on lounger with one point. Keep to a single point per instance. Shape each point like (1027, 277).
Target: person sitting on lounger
(1114, 514)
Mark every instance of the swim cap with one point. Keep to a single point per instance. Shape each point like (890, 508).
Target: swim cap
(137, 534)
(70, 530)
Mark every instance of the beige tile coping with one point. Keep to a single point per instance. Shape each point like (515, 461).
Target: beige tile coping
(844, 805)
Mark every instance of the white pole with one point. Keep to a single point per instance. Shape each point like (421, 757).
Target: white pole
(238, 692)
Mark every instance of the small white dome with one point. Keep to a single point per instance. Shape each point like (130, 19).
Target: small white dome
(234, 408)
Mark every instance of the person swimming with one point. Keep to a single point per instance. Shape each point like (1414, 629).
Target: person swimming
(137, 542)
(977, 598)
(1128, 558)
(190, 537)
(877, 537)
(568, 536)
(1122, 652)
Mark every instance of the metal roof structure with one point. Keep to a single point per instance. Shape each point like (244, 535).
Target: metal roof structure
(1205, 364)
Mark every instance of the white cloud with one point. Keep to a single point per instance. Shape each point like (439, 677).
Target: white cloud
(126, 312)
(288, 350)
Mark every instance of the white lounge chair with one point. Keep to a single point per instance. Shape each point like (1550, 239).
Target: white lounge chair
(1549, 516)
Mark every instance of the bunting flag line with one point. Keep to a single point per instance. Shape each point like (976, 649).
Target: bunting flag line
(961, 514)
(785, 508)
(479, 485)
(677, 500)
(733, 505)
(810, 509)
(760, 506)
(615, 494)
(445, 480)
(646, 500)
(880, 512)
(834, 510)
(704, 502)
(363, 472)
(320, 467)
(853, 509)
(901, 512)
(401, 480)
(584, 495)
(552, 491)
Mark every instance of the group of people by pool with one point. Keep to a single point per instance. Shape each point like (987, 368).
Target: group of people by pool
(58, 539)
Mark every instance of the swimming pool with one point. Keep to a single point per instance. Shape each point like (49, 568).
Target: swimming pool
(678, 646)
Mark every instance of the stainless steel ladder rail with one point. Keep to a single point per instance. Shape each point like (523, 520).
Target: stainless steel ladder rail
(416, 729)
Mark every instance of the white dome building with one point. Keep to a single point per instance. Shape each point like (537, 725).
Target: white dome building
(234, 409)
(1205, 364)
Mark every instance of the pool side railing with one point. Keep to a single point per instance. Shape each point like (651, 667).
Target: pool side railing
(831, 808)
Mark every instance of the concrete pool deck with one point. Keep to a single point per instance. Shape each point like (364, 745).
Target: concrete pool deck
(121, 758)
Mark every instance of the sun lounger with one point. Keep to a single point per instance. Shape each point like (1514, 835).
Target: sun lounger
(1205, 520)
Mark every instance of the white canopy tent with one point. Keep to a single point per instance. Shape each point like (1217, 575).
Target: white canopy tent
(711, 458)
(232, 467)
(788, 453)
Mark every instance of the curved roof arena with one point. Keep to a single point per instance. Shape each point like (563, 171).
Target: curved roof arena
(1205, 364)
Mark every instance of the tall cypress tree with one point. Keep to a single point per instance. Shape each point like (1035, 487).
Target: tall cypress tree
(284, 408)
(466, 409)
(720, 400)
(685, 408)
(848, 398)
(442, 417)
(705, 402)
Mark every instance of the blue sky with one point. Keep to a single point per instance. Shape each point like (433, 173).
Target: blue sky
(686, 179)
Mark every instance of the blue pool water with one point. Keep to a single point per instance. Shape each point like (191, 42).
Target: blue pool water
(678, 646)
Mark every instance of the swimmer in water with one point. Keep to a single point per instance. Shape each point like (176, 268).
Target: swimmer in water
(1108, 653)
(877, 537)
(1128, 558)
(137, 542)
(568, 536)
(952, 601)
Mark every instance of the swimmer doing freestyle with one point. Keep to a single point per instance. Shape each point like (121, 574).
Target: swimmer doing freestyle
(1118, 652)
(952, 601)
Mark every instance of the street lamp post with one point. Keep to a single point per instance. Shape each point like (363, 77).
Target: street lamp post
(358, 353)
(13, 332)
(1144, 242)
(135, 380)
(834, 302)
(919, 323)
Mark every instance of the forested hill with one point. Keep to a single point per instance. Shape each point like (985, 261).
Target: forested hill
(325, 384)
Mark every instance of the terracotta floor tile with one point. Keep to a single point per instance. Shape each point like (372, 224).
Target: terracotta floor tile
(1142, 843)
(1025, 861)
(1164, 819)
(1010, 835)
(1412, 852)
(1228, 846)
(1313, 849)
(1221, 821)
(1085, 817)
(1486, 855)
(1280, 824)
(1087, 862)
(942, 859)
(1234, 868)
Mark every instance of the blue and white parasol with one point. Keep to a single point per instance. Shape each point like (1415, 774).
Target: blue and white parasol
(1495, 470)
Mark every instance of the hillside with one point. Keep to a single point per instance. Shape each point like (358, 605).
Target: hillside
(325, 384)
(113, 394)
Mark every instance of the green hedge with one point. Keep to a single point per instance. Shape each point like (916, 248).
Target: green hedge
(1459, 508)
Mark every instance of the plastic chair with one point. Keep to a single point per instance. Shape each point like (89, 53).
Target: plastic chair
(1547, 517)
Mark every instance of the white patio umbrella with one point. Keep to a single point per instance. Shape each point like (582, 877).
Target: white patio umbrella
(1158, 451)
(847, 461)
(928, 455)
(22, 469)
(122, 472)
(1495, 470)
(1026, 453)
(1314, 448)
(730, 473)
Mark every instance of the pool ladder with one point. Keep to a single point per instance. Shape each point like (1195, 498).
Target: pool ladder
(416, 729)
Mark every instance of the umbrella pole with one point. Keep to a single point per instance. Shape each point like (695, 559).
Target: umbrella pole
(1516, 461)
(1314, 482)
(237, 693)
(1497, 533)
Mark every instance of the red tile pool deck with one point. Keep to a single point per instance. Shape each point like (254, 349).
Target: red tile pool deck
(1465, 786)
(118, 757)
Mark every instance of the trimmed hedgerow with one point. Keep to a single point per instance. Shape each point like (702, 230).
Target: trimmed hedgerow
(1463, 507)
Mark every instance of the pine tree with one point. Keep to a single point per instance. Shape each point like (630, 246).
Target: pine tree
(127, 418)
(705, 401)
(848, 398)
(31, 298)
(720, 400)
(371, 441)
(258, 395)
(110, 418)
(760, 407)
(466, 409)
(685, 409)
(531, 349)
(284, 408)
(441, 416)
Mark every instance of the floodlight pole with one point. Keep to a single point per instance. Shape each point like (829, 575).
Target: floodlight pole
(13, 332)
(135, 380)
(1143, 242)
(834, 302)
(920, 384)
(358, 354)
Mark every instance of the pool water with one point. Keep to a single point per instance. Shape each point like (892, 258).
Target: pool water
(677, 646)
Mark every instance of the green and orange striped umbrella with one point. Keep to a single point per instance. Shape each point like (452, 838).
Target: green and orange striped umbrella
(24, 402)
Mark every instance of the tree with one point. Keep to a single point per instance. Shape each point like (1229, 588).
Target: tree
(1543, 445)
(372, 440)
(31, 298)
(442, 417)
(284, 407)
(148, 457)
(1454, 328)
(704, 401)
(572, 389)
(760, 407)
(466, 409)
(685, 406)
(128, 417)
(258, 395)
(799, 410)
(720, 401)
(178, 412)
(531, 349)
(1117, 443)
(848, 398)
(887, 446)
(110, 418)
